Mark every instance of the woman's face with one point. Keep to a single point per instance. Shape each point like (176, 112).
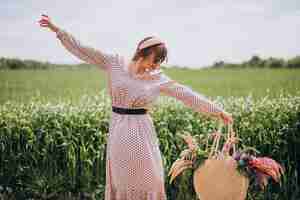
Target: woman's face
(149, 62)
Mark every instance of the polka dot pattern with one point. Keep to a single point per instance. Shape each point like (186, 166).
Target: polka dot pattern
(134, 166)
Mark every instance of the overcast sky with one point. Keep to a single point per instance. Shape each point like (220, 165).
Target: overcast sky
(197, 32)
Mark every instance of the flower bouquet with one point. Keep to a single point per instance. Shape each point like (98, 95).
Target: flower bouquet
(224, 173)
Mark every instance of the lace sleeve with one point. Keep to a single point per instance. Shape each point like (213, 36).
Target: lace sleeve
(190, 98)
(85, 53)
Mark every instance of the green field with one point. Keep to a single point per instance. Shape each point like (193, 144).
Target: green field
(57, 85)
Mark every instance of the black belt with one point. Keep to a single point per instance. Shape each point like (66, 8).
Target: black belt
(129, 111)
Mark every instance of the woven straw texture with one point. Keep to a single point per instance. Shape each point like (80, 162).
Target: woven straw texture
(218, 178)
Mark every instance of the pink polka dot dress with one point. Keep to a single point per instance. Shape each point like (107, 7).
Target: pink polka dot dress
(134, 167)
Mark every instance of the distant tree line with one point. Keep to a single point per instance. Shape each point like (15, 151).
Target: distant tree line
(16, 63)
(257, 62)
(254, 62)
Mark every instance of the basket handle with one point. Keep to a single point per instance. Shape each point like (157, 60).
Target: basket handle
(216, 141)
(230, 140)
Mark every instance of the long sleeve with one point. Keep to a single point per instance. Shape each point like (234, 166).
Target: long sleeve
(85, 53)
(190, 98)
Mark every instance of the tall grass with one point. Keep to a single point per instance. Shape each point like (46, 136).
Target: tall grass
(50, 150)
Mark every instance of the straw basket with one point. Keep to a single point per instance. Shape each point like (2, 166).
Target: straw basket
(218, 178)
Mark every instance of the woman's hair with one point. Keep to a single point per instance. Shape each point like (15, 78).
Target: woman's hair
(160, 51)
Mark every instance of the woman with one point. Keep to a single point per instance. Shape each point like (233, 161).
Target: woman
(134, 168)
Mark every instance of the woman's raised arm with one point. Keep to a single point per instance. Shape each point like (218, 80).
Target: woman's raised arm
(83, 52)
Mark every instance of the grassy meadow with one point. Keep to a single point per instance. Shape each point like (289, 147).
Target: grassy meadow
(71, 85)
(61, 147)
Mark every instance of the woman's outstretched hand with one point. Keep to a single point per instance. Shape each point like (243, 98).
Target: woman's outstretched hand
(45, 21)
(226, 117)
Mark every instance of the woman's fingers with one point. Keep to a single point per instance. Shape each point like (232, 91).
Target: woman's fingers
(44, 25)
(45, 18)
(227, 118)
(45, 15)
(230, 120)
(45, 21)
